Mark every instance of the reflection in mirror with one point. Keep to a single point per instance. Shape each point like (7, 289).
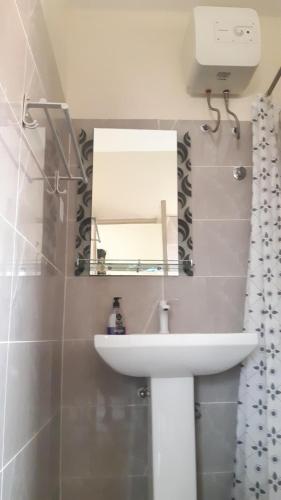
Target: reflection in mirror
(134, 215)
(134, 202)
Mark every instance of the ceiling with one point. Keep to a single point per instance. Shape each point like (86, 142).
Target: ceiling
(264, 7)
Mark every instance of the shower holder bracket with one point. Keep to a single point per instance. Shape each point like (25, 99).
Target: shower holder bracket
(239, 173)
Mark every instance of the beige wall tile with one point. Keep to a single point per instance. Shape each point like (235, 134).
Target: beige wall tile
(222, 148)
(34, 24)
(38, 294)
(33, 389)
(212, 301)
(34, 368)
(206, 305)
(119, 441)
(33, 474)
(217, 195)
(220, 248)
(89, 302)
(88, 381)
(7, 237)
(13, 53)
(87, 488)
(9, 157)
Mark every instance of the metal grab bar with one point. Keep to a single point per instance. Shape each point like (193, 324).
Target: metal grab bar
(206, 127)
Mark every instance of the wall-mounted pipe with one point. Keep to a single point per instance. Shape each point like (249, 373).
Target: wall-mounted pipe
(206, 127)
(237, 129)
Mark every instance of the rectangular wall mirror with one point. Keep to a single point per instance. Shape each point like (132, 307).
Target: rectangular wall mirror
(134, 202)
(140, 204)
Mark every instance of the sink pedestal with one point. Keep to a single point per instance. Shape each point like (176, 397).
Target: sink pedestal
(171, 362)
(173, 439)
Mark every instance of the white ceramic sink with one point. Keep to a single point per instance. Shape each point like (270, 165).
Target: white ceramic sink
(174, 355)
(171, 361)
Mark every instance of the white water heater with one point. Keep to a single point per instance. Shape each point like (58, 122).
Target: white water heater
(224, 49)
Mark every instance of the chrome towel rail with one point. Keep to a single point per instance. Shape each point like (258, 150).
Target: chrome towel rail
(27, 122)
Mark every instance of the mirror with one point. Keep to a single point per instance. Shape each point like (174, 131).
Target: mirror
(140, 219)
(134, 202)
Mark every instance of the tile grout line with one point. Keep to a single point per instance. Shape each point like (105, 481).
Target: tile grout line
(210, 403)
(29, 49)
(42, 341)
(62, 350)
(107, 477)
(138, 405)
(219, 166)
(9, 332)
(61, 391)
(112, 406)
(202, 276)
(243, 219)
(28, 443)
(216, 473)
(19, 233)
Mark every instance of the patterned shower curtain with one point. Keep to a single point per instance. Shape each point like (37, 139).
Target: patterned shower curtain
(258, 449)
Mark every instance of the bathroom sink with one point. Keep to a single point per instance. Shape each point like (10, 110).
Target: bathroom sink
(174, 355)
(171, 361)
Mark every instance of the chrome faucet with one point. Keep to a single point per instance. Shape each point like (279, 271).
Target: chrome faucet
(164, 316)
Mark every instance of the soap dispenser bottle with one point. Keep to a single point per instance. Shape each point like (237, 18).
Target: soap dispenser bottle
(116, 323)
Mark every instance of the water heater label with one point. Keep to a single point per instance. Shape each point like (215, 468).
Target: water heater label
(223, 75)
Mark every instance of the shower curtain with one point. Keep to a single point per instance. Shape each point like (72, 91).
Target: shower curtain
(258, 449)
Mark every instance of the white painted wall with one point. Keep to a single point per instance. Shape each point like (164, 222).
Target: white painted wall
(128, 63)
